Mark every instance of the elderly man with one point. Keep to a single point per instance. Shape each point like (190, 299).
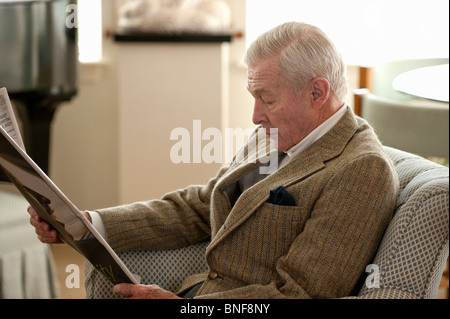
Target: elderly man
(308, 229)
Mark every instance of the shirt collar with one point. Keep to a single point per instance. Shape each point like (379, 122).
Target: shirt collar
(317, 133)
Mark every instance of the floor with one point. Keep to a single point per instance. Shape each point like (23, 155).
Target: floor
(66, 256)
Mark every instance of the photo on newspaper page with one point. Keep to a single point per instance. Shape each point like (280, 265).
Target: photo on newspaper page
(57, 210)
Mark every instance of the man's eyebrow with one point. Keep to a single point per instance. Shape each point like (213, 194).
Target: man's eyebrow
(257, 91)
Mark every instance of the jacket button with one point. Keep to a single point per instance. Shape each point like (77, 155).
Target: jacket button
(212, 275)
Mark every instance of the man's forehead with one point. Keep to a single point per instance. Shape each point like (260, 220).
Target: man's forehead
(264, 81)
(263, 70)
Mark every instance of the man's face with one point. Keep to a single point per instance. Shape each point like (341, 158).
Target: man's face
(277, 107)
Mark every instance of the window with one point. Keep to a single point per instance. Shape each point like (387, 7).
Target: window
(366, 32)
(89, 14)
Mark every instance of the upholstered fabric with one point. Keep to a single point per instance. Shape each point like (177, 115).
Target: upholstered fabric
(412, 255)
(167, 268)
(410, 258)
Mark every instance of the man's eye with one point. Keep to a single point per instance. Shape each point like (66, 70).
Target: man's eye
(265, 101)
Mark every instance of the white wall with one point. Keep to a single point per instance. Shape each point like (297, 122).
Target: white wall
(241, 102)
(84, 151)
(163, 89)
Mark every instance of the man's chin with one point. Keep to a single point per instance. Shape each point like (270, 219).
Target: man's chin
(273, 136)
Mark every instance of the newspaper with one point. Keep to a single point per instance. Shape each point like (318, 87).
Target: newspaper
(52, 205)
(8, 120)
(9, 124)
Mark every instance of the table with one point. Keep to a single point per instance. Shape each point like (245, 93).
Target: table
(430, 82)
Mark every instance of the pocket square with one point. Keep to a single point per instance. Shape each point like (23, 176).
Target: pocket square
(280, 196)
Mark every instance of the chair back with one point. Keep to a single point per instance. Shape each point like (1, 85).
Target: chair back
(409, 125)
(414, 249)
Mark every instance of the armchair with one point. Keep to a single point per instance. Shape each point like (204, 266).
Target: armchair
(411, 256)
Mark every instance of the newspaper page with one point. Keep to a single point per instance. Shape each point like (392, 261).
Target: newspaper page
(9, 124)
(57, 210)
(7, 118)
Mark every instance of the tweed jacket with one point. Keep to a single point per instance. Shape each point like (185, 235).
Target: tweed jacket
(344, 187)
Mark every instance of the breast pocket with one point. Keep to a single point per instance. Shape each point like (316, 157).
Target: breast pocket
(265, 237)
(278, 226)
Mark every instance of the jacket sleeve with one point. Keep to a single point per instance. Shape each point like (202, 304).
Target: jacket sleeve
(178, 219)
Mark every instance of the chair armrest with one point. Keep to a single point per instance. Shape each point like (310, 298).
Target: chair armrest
(166, 268)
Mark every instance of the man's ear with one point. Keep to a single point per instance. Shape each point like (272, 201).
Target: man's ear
(320, 91)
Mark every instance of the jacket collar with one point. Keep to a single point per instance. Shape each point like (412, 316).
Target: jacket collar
(329, 146)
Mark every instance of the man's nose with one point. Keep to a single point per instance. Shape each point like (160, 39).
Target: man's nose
(258, 113)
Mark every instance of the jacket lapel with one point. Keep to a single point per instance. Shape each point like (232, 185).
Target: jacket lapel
(226, 218)
(249, 201)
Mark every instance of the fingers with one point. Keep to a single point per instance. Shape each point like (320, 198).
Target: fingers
(131, 291)
(124, 289)
(43, 230)
(32, 212)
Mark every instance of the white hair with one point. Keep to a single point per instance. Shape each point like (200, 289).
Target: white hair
(305, 53)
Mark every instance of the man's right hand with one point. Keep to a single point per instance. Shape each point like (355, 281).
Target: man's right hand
(44, 231)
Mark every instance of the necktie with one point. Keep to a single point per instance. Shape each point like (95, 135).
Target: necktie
(235, 190)
(256, 176)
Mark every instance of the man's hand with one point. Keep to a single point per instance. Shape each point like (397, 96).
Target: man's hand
(131, 291)
(44, 231)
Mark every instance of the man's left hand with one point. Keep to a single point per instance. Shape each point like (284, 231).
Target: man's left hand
(131, 291)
